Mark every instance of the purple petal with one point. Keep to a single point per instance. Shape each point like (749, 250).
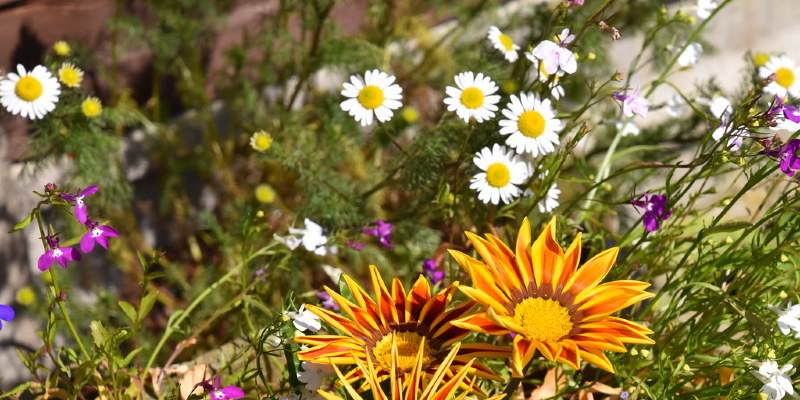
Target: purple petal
(385, 241)
(371, 231)
(6, 313)
(232, 392)
(87, 242)
(80, 211)
(46, 261)
(88, 191)
(68, 197)
(109, 231)
(103, 241)
(356, 246)
(650, 222)
(71, 254)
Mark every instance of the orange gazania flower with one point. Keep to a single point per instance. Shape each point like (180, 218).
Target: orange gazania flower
(551, 305)
(401, 322)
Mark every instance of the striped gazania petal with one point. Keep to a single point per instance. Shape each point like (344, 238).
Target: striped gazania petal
(406, 322)
(554, 307)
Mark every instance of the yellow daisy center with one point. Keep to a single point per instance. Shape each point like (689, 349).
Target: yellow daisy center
(506, 41)
(498, 175)
(760, 59)
(472, 97)
(542, 320)
(407, 347)
(70, 76)
(91, 107)
(371, 97)
(531, 123)
(261, 141)
(785, 77)
(265, 193)
(28, 88)
(61, 48)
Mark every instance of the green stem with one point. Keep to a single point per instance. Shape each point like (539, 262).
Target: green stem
(173, 325)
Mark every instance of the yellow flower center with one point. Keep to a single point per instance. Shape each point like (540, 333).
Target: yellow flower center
(28, 88)
(261, 141)
(61, 48)
(265, 193)
(472, 97)
(506, 41)
(498, 175)
(371, 97)
(531, 123)
(91, 107)
(542, 320)
(785, 77)
(70, 76)
(407, 347)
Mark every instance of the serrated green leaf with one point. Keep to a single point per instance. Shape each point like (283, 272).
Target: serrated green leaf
(22, 224)
(129, 310)
(99, 333)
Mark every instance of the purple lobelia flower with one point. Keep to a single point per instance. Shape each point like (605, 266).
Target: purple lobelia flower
(327, 301)
(57, 254)
(432, 271)
(383, 232)
(789, 156)
(792, 113)
(96, 234)
(633, 103)
(356, 246)
(215, 392)
(6, 314)
(655, 210)
(80, 207)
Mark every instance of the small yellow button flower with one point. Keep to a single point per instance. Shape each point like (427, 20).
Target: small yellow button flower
(26, 296)
(759, 59)
(91, 107)
(265, 193)
(261, 141)
(409, 114)
(61, 48)
(70, 75)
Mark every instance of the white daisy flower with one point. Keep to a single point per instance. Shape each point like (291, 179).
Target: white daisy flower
(504, 43)
(31, 94)
(502, 171)
(531, 123)
(705, 7)
(473, 98)
(376, 94)
(556, 90)
(776, 380)
(787, 75)
(689, 54)
(788, 319)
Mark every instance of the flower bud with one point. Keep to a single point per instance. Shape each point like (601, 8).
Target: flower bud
(784, 258)
(783, 295)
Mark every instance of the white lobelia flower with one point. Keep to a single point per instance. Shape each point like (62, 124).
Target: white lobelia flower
(473, 97)
(633, 103)
(556, 90)
(304, 320)
(550, 200)
(504, 44)
(705, 7)
(531, 124)
(788, 319)
(628, 128)
(376, 94)
(689, 54)
(676, 105)
(502, 171)
(736, 136)
(311, 237)
(720, 107)
(776, 380)
(556, 55)
(30, 94)
(313, 373)
(787, 76)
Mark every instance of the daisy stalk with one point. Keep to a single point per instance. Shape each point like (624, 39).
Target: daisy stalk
(605, 166)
